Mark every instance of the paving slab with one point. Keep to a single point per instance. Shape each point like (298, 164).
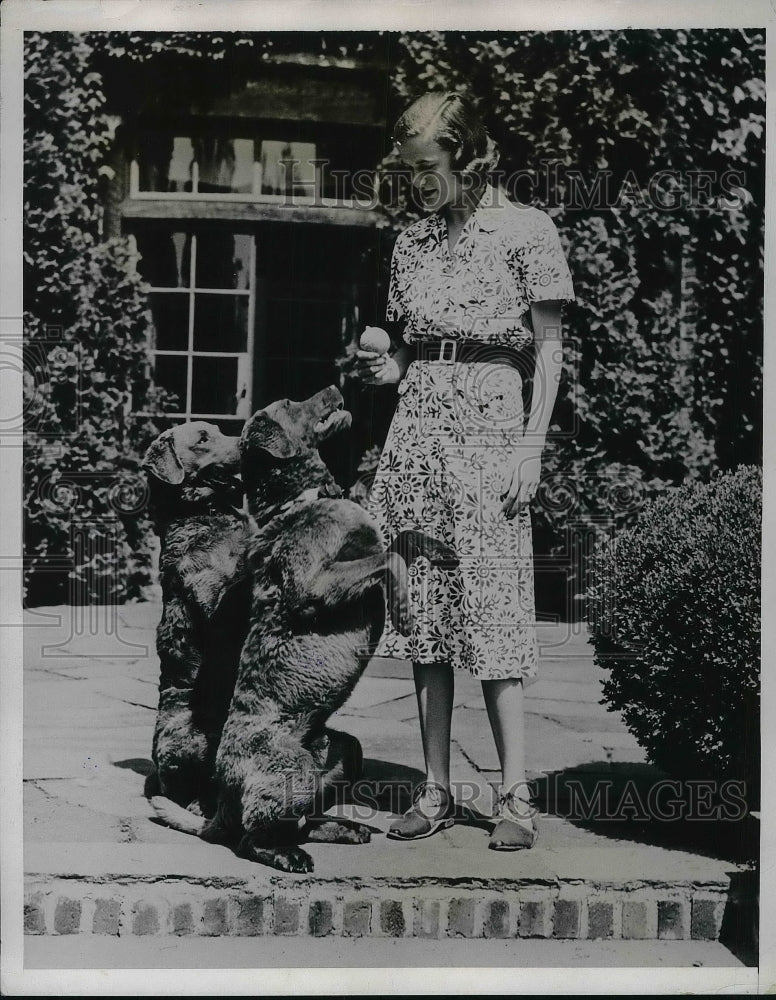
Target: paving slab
(401, 709)
(457, 856)
(49, 817)
(61, 758)
(372, 692)
(129, 690)
(565, 691)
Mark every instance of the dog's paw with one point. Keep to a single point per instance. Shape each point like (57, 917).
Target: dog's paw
(286, 859)
(403, 619)
(294, 859)
(339, 832)
(352, 835)
(356, 834)
(445, 556)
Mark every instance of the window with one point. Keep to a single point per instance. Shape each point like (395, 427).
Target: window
(289, 168)
(247, 305)
(202, 302)
(176, 166)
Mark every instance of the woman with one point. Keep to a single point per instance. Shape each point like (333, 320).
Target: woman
(472, 283)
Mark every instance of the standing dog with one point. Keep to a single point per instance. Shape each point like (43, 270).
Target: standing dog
(318, 569)
(195, 499)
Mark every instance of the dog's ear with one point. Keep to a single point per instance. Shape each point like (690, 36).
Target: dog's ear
(162, 460)
(267, 435)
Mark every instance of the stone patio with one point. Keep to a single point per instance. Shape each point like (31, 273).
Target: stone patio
(96, 862)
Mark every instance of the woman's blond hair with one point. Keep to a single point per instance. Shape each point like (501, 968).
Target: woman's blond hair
(453, 123)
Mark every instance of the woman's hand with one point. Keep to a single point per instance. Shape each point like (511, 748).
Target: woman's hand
(526, 472)
(376, 369)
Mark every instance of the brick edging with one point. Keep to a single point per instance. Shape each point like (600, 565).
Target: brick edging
(566, 910)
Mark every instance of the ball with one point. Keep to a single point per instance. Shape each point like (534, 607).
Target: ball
(374, 338)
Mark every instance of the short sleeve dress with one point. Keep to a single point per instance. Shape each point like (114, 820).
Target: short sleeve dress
(446, 461)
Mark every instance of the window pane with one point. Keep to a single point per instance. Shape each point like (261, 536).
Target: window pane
(287, 167)
(223, 260)
(225, 165)
(170, 312)
(170, 374)
(164, 162)
(220, 322)
(165, 258)
(214, 388)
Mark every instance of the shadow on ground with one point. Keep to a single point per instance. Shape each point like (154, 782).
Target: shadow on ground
(140, 765)
(639, 802)
(740, 922)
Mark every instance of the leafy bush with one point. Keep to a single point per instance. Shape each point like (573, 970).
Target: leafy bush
(674, 608)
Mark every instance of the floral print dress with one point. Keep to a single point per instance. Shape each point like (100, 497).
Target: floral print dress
(447, 459)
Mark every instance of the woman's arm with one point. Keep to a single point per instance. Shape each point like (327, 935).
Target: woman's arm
(546, 321)
(527, 466)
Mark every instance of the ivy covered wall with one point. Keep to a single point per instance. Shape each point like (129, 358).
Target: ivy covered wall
(87, 537)
(664, 343)
(647, 148)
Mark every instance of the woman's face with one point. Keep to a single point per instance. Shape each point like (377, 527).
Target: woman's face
(432, 175)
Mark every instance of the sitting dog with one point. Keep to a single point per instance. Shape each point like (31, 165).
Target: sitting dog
(319, 568)
(195, 492)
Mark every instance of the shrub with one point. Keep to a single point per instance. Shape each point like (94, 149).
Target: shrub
(674, 607)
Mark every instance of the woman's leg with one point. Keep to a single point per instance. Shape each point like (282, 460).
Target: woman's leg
(434, 687)
(433, 809)
(504, 702)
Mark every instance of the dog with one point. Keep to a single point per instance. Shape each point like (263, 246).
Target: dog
(321, 574)
(196, 498)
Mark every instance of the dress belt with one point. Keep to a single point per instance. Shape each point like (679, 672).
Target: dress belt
(451, 351)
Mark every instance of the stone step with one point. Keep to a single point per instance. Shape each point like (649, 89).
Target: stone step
(148, 890)
(134, 905)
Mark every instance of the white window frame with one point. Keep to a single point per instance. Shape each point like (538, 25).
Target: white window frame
(244, 358)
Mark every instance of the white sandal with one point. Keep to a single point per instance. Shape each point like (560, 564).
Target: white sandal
(516, 829)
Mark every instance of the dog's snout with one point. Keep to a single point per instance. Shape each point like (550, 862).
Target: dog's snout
(329, 398)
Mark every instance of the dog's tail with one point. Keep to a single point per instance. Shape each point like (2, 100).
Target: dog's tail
(411, 544)
(175, 816)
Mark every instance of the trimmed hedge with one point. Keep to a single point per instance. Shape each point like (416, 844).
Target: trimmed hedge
(674, 608)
